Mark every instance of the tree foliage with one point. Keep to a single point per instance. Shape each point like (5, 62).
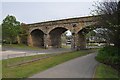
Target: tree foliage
(24, 33)
(109, 20)
(10, 29)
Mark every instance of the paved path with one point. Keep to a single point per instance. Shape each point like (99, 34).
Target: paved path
(82, 67)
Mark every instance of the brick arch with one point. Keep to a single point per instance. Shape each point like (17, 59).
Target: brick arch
(67, 28)
(55, 36)
(88, 28)
(37, 28)
(37, 38)
(81, 33)
(66, 24)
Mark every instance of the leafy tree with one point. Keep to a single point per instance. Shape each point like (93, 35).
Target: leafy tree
(24, 34)
(10, 29)
(90, 34)
(0, 34)
(109, 20)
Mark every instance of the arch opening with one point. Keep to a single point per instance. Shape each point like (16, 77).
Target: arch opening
(81, 43)
(81, 36)
(58, 37)
(89, 37)
(95, 38)
(37, 38)
(66, 39)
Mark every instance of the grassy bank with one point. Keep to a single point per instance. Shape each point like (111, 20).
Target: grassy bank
(29, 69)
(0, 69)
(104, 71)
(19, 60)
(21, 46)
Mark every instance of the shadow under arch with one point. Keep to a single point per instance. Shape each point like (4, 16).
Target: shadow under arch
(82, 35)
(55, 36)
(37, 37)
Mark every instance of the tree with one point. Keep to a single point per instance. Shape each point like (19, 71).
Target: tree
(10, 29)
(24, 34)
(0, 34)
(109, 19)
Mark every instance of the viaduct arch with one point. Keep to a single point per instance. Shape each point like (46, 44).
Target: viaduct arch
(48, 34)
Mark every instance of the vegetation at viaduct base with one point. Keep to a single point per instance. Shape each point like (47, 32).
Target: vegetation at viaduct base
(12, 31)
(109, 55)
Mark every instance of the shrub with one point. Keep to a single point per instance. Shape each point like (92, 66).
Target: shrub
(109, 55)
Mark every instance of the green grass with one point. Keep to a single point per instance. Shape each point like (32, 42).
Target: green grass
(0, 69)
(21, 46)
(104, 71)
(29, 69)
(18, 60)
(66, 46)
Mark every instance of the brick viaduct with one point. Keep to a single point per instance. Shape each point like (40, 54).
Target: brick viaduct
(48, 34)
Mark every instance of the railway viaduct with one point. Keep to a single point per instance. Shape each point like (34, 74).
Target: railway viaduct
(48, 34)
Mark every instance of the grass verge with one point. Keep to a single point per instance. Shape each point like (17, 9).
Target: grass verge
(21, 46)
(26, 70)
(0, 69)
(104, 71)
(19, 60)
(66, 46)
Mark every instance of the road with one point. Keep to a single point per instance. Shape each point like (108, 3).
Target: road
(11, 52)
(82, 67)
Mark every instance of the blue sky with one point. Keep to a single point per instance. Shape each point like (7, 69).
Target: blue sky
(32, 12)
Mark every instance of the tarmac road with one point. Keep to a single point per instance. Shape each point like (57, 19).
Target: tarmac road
(82, 67)
(12, 52)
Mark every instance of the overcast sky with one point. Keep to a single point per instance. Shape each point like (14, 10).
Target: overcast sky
(33, 11)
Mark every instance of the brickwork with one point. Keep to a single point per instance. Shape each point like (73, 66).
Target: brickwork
(48, 34)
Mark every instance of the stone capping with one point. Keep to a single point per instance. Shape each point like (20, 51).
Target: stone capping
(87, 19)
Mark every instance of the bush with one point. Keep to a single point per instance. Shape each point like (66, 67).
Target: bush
(109, 55)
